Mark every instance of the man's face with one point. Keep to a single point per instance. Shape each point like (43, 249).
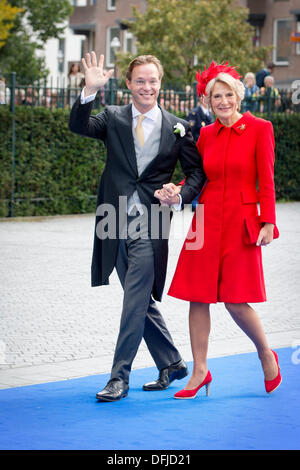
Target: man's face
(144, 86)
(269, 82)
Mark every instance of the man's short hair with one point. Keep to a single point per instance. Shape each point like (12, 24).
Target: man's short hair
(142, 60)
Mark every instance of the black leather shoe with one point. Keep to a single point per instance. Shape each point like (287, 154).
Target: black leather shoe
(175, 371)
(114, 391)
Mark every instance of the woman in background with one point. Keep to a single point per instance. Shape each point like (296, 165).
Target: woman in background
(75, 83)
(250, 102)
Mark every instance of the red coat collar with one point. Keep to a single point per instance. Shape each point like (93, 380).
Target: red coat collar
(240, 126)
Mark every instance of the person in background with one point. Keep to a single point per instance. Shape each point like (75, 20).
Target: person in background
(75, 82)
(20, 96)
(199, 117)
(261, 74)
(269, 92)
(46, 99)
(31, 96)
(250, 102)
(187, 101)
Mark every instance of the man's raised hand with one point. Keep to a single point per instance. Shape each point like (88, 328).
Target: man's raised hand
(95, 76)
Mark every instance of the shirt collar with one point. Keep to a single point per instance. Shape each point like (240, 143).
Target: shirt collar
(152, 114)
(205, 110)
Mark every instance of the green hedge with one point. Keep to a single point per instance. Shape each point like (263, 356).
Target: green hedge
(287, 156)
(57, 172)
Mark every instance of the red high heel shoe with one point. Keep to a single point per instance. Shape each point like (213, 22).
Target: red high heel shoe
(185, 394)
(271, 385)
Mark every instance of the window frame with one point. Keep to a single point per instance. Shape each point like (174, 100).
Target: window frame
(108, 41)
(129, 35)
(109, 5)
(275, 42)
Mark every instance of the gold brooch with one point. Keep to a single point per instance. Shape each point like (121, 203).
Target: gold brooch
(242, 127)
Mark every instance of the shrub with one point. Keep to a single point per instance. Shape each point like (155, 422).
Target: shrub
(57, 172)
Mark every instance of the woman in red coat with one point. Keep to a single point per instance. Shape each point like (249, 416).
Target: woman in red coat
(237, 152)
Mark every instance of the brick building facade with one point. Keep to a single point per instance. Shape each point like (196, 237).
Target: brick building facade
(274, 21)
(101, 21)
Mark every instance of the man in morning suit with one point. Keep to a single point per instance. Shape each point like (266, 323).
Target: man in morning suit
(142, 152)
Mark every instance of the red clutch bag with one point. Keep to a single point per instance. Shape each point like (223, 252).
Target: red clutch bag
(252, 227)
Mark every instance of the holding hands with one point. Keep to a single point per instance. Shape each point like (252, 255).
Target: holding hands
(168, 195)
(95, 76)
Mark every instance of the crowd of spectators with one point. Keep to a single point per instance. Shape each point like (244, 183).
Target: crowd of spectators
(261, 95)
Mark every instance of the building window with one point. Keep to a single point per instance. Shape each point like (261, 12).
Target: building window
(61, 55)
(82, 47)
(282, 45)
(91, 41)
(110, 55)
(256, 37)
(79, 3)
(111, 4)
(129, 43)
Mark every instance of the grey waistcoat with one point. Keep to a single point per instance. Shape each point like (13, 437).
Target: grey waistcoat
(144, 155)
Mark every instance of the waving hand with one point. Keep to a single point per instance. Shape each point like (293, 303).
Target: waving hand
(95, 76)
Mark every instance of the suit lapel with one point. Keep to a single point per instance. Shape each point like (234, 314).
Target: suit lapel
(168, 137)
(124, 129)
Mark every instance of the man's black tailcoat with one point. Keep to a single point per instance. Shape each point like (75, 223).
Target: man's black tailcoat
(120, 176)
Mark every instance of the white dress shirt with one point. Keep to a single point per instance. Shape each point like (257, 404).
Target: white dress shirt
(148, 124)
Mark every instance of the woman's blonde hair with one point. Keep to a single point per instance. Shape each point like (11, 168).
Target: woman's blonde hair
(236, 86)
(249, 75)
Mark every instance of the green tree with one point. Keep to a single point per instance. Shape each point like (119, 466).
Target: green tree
(36, 22)
(186, 35)
(7, 17)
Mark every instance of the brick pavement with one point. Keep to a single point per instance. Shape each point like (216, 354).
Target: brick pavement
(54, 326)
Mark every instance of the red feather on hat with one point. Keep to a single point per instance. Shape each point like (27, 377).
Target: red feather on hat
(203, 78)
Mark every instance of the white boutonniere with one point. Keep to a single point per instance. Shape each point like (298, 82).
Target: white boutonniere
(179, 129)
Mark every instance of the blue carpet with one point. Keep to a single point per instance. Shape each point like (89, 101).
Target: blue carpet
(238, 414)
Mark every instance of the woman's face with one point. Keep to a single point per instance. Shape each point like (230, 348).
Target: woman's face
(224, 101)
(249, 82)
